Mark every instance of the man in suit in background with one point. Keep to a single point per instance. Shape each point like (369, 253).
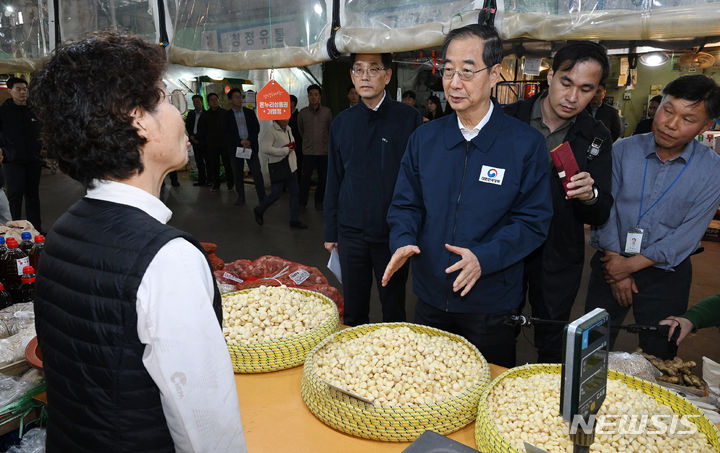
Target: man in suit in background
(191, 126)
(210, 130)
(241, 129)
(605, 112)
(645, 126)
(296, 134)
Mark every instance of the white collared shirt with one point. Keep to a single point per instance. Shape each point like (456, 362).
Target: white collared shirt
(471, 134)
(185, 350)
(381, 101)
(197, 120)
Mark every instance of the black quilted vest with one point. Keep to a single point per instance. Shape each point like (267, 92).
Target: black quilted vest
(100, 397)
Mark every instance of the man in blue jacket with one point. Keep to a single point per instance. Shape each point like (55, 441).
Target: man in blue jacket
(472, 200)
(367, 142)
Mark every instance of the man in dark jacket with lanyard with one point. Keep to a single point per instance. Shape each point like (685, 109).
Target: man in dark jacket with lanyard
(666, 191)
(553, 271)
(472, 200)
(367, 142)
(22, 153)
(241, 129)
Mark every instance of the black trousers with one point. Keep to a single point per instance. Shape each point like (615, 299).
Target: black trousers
(310, 163)
(214, 154)
(299, 156)
(23, 182)
(660, 294)
(201, 160)
(488, 332)
(277, 189)
(551, 293)
(255, 171)
(359, 261)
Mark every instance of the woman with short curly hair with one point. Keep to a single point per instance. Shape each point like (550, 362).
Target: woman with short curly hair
(128, 315)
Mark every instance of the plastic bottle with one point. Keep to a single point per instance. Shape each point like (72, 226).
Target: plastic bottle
(37, 250)
(13, 263)
(3, 250)
(27, 243)
(5, 299)
(27, 285)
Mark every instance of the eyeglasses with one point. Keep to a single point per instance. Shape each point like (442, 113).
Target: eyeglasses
(371, 72)
(464, 74)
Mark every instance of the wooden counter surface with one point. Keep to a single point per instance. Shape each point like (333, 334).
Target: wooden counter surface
(276, 419)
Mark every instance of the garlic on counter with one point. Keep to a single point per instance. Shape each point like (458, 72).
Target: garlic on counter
(270, 313)
(398, 366)
(527, 409)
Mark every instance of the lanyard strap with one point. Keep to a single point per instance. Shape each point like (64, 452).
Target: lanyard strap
(641, 214)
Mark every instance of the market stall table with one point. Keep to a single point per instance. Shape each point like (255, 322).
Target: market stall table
(275, 418)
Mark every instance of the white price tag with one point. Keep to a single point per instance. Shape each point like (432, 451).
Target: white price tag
(243, 153)
(21, 263)
(299, 276)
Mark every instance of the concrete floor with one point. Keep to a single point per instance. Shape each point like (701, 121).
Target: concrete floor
(212, 217)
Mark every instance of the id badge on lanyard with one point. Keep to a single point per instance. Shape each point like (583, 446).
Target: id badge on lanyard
(634, 238)
(633, 241)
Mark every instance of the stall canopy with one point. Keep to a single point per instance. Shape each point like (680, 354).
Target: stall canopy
(239, 35)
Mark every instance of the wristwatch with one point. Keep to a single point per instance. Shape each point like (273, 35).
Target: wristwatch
(594, 199)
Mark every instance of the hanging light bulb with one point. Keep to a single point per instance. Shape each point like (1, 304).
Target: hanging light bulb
(654, 58)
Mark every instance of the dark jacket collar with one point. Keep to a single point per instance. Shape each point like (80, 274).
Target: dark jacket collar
(10, 103)
(382, 109)
(485, 139)
(585, 125)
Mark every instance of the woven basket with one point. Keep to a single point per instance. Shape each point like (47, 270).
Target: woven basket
(488, 438)
(284, 353)
(389, 423)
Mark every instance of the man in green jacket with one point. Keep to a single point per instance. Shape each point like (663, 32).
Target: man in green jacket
(705, 313)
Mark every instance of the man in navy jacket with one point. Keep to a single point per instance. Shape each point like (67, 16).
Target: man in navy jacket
(472, 200)
(241, 129)
(367, 142)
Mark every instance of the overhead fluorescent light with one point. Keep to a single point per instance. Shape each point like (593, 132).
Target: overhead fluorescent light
(626, 50)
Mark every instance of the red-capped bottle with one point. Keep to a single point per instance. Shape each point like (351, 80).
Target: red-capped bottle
(27, 285)
(5, 298)
(13, 263)
(37, 250)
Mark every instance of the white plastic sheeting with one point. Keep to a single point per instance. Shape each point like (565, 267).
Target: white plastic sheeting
(24, 34)
(395, 26)
(78, 17)
(608, 19)
(237, 34)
